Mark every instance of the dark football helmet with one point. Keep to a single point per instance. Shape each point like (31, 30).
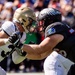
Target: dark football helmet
(48, 16)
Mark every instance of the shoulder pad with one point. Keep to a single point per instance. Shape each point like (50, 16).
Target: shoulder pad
(8, 27)
(55, 28)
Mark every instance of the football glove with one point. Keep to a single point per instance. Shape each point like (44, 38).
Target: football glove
(15, 40)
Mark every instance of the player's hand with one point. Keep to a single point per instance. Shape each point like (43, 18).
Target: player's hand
(15, 38)
(18, 49)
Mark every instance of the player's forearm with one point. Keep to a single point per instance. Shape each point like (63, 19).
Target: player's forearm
(34, 56)
(31, 49)
(35, 52)
(3, 41)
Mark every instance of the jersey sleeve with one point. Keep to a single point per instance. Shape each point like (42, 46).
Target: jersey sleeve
(56, 28)
(8, 27)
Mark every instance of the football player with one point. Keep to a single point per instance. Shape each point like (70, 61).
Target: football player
(59, 43)
(23, 18)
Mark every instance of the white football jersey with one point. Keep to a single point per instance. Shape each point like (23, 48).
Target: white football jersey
(9, 28)
(4, 51)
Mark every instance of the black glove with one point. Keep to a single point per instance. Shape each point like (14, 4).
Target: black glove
(15, 38)
(19, 50)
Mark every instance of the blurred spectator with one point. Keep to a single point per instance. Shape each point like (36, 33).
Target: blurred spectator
(54, 4)
(32, 1)
(73, 11)
(38, 5)
(73, 3)
(70, 19)
(46, 2)
(27, 4)
(13, 67)
(9, 0)
(1, 7)
(2, 1)
(16, 4)
(65, 7)
(22, 67)
(7, 12)
(22, 1)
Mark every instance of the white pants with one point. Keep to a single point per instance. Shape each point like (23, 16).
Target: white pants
(55, 64)
(2, 71)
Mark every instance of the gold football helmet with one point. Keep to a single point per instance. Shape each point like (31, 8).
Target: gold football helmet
(25, 16)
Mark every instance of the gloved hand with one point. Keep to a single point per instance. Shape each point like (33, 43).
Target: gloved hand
(15, 38)
(18, 48)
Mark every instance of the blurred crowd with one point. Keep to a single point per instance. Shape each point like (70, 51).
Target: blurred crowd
(7, 8)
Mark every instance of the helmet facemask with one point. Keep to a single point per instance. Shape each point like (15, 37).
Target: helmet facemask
(32, 23)
(40, 25)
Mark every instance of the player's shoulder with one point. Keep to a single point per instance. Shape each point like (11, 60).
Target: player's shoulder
(8, 23)
(8, 27)
(55, 28)
(56, 24)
